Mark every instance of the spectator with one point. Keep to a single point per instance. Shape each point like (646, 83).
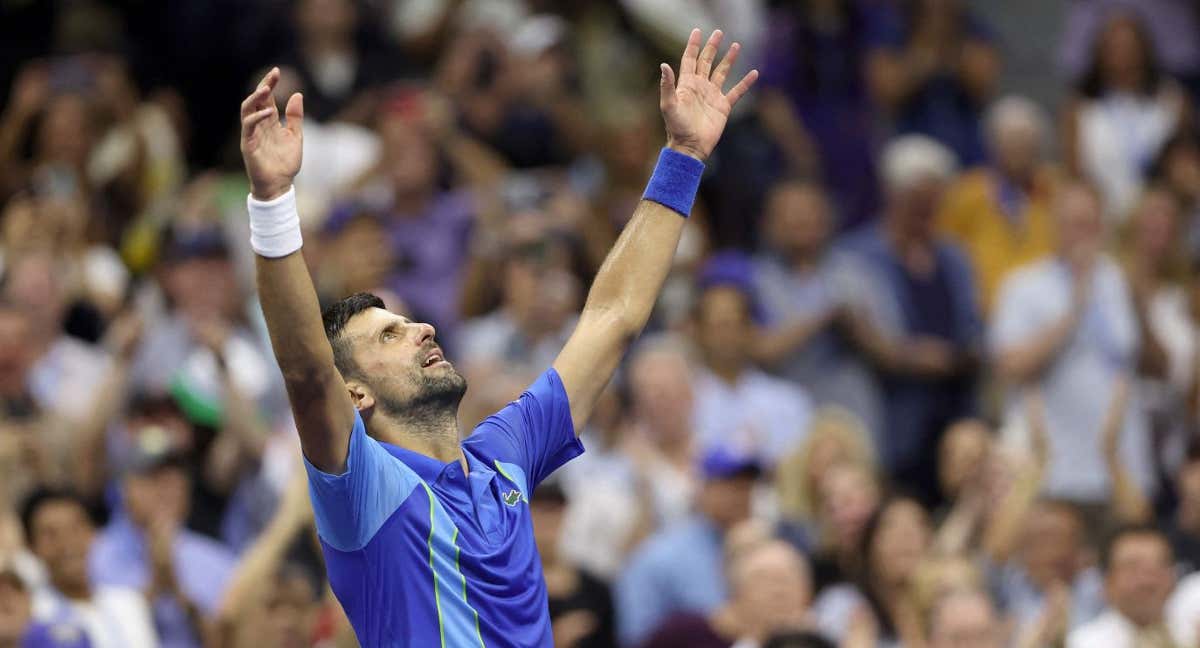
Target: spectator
(428, 226)
(894, 542)
(60, 532)
(932, 70)
(737, 406)
(1124, 90)
(581, 606)
(770, 591)
(1067, 326)
(270, 601)
(814, 96)
(1138, 580)
(1155, 269)
(16, 625)
(648, 478)
(965, 618)
(804, 288)
(1000, 212)
(539, 301)
(202, 292)
(835, 437)
(1050, 588)
(334, 70)
(850, 495)
(1177, 169)
(1183, 527)
(679, 569)
(918, 319)
(147, 547)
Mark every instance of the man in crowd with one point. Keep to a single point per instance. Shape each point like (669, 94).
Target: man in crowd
(920, 322)
(1139, 575)
(965, 618)
(147, 547)
(737, 405)
(1066, 327)
(803, 288)
(1000, 213)
(60, 532)
(680, 569)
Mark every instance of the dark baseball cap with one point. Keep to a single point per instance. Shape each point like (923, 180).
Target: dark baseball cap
(723, 463)
(205, 243)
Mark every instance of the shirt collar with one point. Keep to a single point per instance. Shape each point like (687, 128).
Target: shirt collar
(426, 467)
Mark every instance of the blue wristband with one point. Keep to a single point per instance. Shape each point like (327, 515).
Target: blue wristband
(675, 181)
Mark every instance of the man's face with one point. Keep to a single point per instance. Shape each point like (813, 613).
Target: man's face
(662, 393)
(727, 501)
(14, 610)
(288, 609)
(723, 323)
(61, 535)
(916, 206)
(797, 220)
(1079, 220)
(771, 586)
(965, 621)
(1051, 545)
(202, 287)
(400, 365)
(1140, 577)
(411, 156)
(158, 495)
(1017, 147)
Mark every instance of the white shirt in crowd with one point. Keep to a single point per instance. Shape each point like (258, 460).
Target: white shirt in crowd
(1077, 384)
(759, 415)
(115, 617)
(1112, 630)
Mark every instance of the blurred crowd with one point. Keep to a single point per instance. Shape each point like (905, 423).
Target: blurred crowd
(926, 371)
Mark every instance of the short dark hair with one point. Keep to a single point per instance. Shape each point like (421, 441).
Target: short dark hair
(1129, 530)
(48, 495)
(335, 318)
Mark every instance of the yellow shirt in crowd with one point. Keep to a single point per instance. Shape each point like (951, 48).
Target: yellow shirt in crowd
(972, 215)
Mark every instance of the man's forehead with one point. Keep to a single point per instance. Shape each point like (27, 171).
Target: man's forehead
(371, 320)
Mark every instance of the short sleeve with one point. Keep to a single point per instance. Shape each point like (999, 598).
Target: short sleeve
(351, 507)
(534, 432)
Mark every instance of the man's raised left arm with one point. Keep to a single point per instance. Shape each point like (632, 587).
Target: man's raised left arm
(695, 109)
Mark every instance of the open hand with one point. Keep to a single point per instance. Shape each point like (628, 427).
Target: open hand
(271, 148)
(695, 108)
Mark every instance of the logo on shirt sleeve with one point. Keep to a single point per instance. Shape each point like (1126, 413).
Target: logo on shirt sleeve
(512, 497)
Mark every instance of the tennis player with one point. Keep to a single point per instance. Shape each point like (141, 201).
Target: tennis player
(427, 539)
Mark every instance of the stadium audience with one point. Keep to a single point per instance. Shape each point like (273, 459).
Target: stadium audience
(819, 350)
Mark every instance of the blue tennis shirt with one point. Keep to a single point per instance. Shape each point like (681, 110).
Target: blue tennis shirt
(420, 554)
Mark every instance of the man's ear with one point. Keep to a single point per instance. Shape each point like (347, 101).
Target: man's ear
(360, 395)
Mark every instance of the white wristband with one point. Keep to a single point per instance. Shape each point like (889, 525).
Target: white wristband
(274, 225)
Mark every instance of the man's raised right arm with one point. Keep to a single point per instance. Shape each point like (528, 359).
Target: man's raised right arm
(271, 149)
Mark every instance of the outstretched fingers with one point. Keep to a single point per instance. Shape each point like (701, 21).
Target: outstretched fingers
(722, 71)
(687, 64)
(708, 54)
(742, 87)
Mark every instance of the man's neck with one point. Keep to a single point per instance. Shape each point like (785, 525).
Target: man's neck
(435, 437)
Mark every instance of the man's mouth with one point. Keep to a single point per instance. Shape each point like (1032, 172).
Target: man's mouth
(433, 358)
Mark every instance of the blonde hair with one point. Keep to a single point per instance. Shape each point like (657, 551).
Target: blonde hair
(797, 498)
